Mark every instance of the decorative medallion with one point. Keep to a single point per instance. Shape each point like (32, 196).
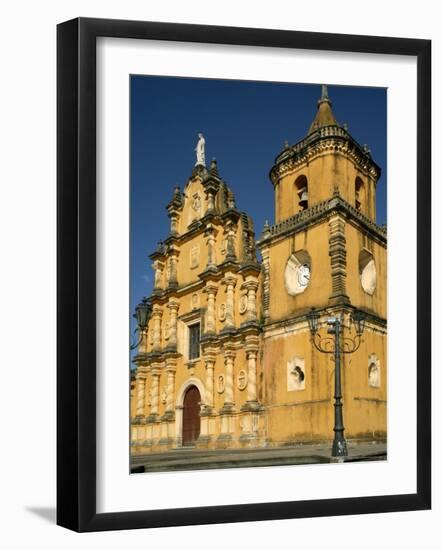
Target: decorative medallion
(243, 303)
(222, 312)
(242, 380)
(220, 384)
(196, 205)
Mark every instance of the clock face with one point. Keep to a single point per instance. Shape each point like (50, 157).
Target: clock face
(297, 275)
(368, 277)
(304, 274)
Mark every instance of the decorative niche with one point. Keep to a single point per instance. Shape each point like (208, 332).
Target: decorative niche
(374, 371)
(297, 272)
(296, 374)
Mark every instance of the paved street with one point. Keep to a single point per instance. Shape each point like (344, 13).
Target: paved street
(196, 459)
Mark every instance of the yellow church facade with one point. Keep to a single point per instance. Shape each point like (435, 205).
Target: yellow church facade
(227, 358)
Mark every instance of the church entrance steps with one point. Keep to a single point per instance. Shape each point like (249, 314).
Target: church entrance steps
(200, 459)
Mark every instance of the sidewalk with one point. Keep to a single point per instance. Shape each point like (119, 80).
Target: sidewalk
(196, 459)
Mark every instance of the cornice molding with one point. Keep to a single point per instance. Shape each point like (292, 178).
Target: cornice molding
(325, 139)
(319, 212)
(372, 320)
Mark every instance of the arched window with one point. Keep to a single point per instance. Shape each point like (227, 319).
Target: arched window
(301, 185)
(359, 187)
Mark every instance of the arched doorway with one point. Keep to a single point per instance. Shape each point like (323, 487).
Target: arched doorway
(191, 415)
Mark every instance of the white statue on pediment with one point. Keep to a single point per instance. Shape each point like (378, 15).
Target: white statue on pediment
(200, 151)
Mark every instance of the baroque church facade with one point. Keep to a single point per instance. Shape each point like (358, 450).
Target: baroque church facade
(227, 359)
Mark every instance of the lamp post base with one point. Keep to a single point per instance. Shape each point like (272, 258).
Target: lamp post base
(339, 448)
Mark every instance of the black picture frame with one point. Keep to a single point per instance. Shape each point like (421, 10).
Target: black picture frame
(76, 272)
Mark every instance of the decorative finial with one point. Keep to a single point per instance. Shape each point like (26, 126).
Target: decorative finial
(345, 126)
(231, 199)
(177, 198)
(200, 151)
(286, 144)
(324, 95)
(214, 168)
(266, 230)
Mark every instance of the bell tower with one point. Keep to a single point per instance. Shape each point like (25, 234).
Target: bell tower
(324, 251)
(327, 160)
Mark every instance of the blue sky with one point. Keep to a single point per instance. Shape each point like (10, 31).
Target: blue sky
(245, 125)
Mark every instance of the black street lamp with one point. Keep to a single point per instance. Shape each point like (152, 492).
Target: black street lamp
(336, 345)
(142, 315)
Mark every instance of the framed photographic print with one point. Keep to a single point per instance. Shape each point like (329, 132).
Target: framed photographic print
(239, 337)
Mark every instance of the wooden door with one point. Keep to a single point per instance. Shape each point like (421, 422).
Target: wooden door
(191, 416)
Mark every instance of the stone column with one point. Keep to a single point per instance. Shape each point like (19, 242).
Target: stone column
(210, 234)
(251, 375)
(229, 359)
(144, 341)
(252, 287)
(155, 399)
(173, 305)
(141, 386)
(171, 370)
(157, 313)
(230, 283)
(210, 367)
(173, 223)
(230, 231)
(158, 269)
(147, 392)
(210, 202)
(211, 290)
(173, 267)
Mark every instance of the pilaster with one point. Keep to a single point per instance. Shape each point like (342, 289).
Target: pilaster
(173, 253)
(157, 314)
(211, 290)
(155, 393)
(265, 252)
(230, 282)
(338, 260)
(173, 306)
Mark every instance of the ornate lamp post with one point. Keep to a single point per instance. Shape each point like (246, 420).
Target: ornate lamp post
(336, 345)
(142, 315)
